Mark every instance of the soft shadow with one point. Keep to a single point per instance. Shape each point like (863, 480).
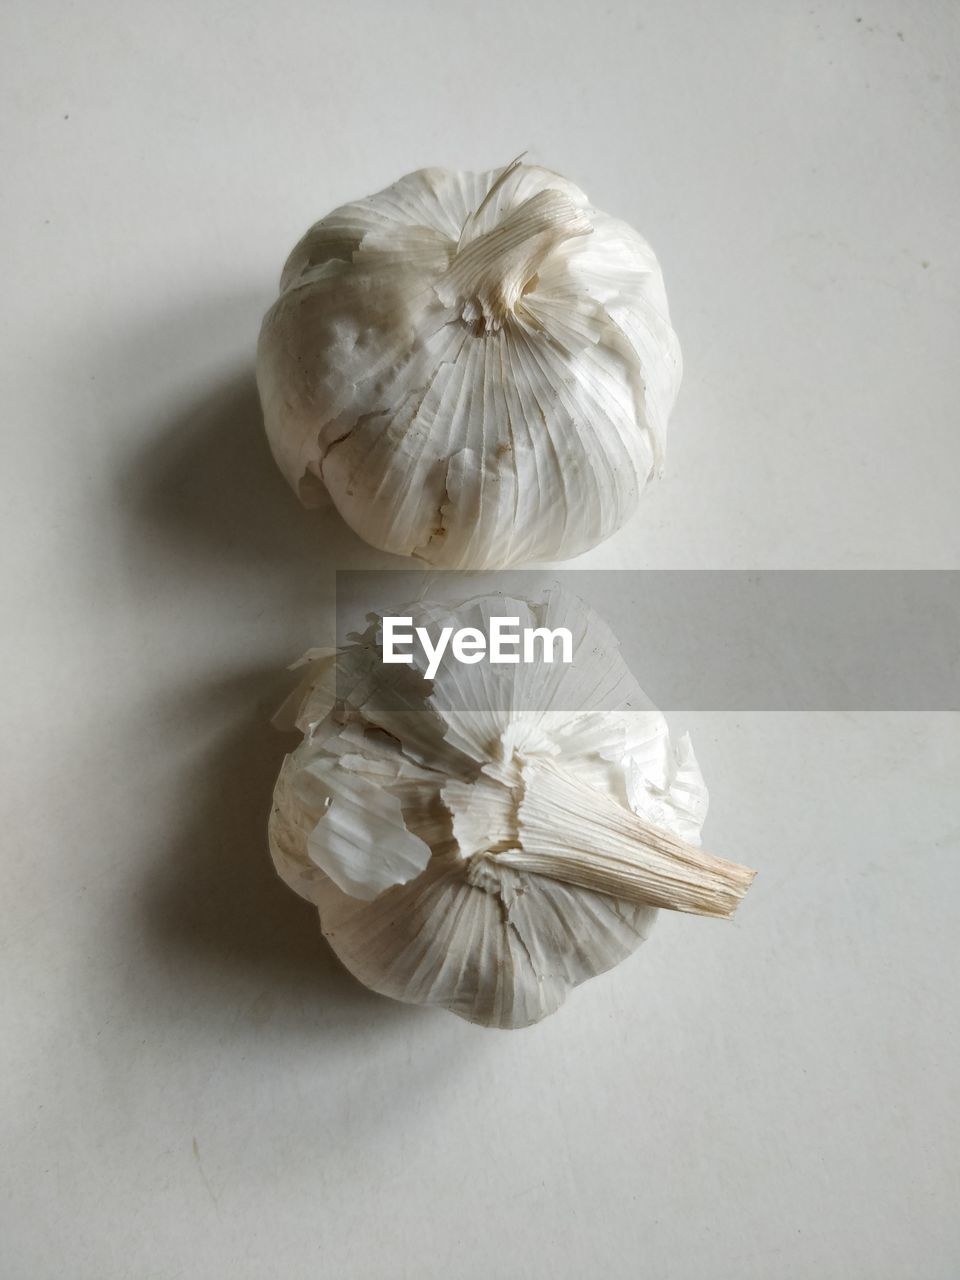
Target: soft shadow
(201, 503)
(214, 899)
(206, 486)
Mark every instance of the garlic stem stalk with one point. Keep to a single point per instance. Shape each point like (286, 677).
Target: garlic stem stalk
(576, 834)
(489, 274)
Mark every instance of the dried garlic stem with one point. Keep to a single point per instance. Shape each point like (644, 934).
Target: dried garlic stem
(573, 833)
(489, 275)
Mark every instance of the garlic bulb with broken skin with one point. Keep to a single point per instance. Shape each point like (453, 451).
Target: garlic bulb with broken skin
(479, 367)
(487, 840)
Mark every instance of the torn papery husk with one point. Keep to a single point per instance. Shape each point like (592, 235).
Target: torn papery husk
(478, 367)
(487, 840)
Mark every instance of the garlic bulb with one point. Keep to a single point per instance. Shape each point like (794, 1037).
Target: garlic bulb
(478, 367)
(489, 839)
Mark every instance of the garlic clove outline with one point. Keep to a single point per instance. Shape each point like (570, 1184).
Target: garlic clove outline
(479, 368)
(510, 853)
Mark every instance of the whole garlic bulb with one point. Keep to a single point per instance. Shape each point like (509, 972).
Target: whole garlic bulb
(489, 839)
(479, 367)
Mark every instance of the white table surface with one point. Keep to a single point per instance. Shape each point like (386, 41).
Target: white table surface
(189, 1086)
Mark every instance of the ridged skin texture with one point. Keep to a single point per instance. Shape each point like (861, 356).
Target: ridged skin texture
(479, 368)
(421, 912)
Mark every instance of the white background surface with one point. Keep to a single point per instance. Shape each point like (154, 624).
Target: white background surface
(190, 1087)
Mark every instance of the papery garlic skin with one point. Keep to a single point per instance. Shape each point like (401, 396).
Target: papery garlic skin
(479, 367)
(396, 813)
